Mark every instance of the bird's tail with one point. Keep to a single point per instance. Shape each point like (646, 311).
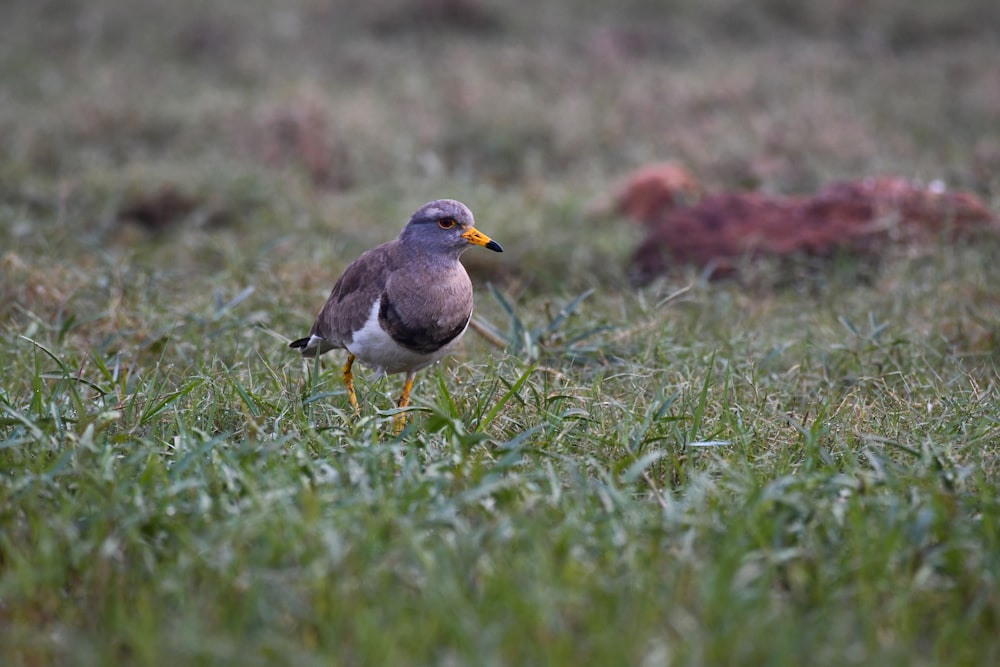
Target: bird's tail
(302, 345)
(313, 345)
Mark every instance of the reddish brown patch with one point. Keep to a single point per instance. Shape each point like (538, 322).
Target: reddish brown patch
(470, 16)
(156, 210)
(162, 208)
(298, 135)
(653, 190)
(922, 211)
(857, 216)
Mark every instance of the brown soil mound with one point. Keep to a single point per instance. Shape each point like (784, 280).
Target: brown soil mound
(856, 216)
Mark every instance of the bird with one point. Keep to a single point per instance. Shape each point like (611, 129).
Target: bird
(402, 305)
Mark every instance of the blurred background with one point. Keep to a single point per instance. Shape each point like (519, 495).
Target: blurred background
(307, 130)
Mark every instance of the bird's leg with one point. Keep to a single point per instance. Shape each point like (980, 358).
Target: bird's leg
(399, 419)
(348, 378)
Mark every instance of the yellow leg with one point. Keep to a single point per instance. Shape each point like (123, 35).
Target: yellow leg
(399, 420)
(349, 382)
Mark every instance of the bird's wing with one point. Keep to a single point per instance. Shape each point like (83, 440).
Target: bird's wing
(351, 299)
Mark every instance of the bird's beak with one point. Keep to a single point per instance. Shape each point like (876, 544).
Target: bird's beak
(476, 237)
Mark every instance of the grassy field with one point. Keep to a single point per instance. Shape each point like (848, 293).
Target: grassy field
(798, 467)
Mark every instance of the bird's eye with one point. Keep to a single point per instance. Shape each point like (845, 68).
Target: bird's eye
(446, 223)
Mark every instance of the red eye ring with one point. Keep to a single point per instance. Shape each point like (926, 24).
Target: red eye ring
(446, 223)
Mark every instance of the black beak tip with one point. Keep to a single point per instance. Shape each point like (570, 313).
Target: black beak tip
(494, 246)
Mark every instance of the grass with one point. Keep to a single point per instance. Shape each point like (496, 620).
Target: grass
(798, 467)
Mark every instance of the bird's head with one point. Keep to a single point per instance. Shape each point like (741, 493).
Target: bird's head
(445, 226)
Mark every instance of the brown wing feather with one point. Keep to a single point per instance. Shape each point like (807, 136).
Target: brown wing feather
(353, 294)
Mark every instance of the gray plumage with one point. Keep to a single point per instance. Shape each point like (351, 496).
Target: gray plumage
(423, 293)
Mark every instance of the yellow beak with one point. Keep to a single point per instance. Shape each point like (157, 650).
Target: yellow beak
(476, 237)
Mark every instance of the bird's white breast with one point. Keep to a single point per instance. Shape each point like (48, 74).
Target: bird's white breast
(375, 348)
